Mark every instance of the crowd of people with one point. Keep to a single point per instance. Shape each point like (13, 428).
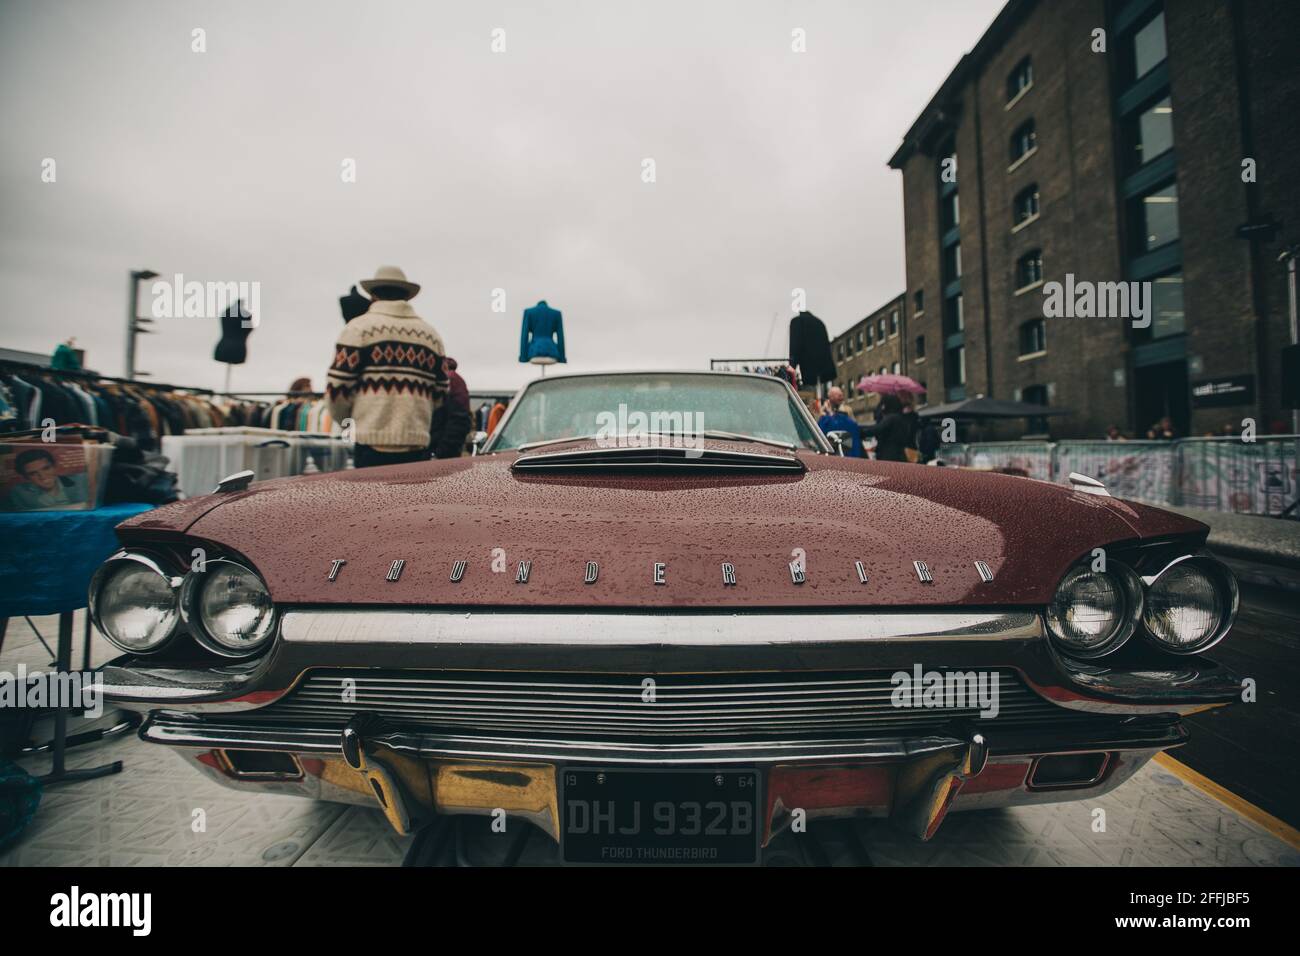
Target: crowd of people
(899, 432)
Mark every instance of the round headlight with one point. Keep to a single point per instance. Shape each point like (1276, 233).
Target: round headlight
(133, 603)
(1190, 605)
(1093, 612)
(232, 607)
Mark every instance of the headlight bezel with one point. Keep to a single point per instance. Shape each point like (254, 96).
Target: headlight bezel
(1128, 620)
(157, 563)
(191, 593)
(1224, 582)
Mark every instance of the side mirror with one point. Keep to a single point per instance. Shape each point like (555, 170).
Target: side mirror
(839, 438)
(476, 442)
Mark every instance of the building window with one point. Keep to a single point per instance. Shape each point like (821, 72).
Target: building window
(1033, 337)
(1021, 79)
(1029, 269)
(918, 301)
(951, 211)
(1149, 49)
(893, 323)
(919, 351)
(952, 262)
(871, 337)
(895, 368)
(955, 367)
(1023, 141)
(955, 319)
(1037, 395)
(860, 340)
(1026, 204)
(1154, 219)
(880, 330)
(1149, 134)
(1167, 316)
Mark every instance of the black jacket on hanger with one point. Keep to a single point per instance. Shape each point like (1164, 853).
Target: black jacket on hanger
(810, 349)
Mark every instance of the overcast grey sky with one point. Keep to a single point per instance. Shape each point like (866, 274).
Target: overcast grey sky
(475, 170)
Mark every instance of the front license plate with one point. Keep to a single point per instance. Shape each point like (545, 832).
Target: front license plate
(660, 816)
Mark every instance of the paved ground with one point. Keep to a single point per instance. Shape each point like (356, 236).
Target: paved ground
(1265, 540)
(146, 816)
(1251, 749)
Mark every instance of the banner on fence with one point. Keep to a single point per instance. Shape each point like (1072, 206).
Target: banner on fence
(1219, 474)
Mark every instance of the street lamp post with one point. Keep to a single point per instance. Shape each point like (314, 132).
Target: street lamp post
(133, 320)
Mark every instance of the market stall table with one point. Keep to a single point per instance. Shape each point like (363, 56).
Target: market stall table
(46, 562)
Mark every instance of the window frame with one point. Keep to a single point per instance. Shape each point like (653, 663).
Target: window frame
(1033, 255)
(1038, 329)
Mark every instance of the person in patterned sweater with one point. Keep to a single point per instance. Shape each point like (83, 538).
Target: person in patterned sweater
(388, 375)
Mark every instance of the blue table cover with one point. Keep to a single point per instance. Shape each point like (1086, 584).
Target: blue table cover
(47, 557)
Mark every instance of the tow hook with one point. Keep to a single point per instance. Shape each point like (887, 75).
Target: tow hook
(359, 750)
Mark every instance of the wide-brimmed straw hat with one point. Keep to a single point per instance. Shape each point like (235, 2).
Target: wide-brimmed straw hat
(392, 277)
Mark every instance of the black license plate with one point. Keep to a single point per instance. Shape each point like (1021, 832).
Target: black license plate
(660, 816)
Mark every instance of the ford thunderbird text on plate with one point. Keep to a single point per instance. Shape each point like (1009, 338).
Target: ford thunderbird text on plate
(659, 619)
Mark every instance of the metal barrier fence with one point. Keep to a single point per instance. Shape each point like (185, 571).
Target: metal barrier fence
(1219, 474)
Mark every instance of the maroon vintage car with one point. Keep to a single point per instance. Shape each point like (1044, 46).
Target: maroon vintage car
(660, 619)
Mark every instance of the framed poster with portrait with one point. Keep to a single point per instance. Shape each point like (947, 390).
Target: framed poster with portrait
(46, 476)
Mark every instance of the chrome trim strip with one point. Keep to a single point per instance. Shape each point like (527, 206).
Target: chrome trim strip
(656, 456)
(594, 629)
(1185, 688)
(183, 731)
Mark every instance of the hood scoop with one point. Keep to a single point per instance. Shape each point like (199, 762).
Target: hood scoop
(658, 458)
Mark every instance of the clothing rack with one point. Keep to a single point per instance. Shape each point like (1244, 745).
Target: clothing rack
(91, 375)
(161, 386)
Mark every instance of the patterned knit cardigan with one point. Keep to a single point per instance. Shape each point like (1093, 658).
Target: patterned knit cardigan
(388, 377)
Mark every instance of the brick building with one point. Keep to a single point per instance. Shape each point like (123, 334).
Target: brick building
(874, 344)
(1044, 156)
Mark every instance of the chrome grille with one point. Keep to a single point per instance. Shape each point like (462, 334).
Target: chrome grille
(685, 706)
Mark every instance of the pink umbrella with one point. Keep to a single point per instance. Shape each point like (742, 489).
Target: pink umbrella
(890, 384)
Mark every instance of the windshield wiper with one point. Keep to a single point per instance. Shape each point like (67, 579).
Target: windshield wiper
(736, 436)
(552, 441)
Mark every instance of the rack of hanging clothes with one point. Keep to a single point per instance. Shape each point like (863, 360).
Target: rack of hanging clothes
(31, 396)
(145, 411)
(287, 412)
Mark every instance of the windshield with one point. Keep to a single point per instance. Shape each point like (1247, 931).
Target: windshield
(656, 403)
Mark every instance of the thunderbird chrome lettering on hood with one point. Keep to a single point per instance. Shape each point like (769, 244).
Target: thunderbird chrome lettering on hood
(861, 525)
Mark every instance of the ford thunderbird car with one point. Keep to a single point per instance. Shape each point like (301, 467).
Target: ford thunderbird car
(659, 618)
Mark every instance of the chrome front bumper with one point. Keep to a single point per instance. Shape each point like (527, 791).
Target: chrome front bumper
(914, 777)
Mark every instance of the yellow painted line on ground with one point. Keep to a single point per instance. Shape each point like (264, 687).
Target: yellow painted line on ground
(1280, 829)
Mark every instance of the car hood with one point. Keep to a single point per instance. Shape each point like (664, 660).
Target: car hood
(827, 515)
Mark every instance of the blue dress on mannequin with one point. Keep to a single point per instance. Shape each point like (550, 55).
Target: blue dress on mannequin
(542, 338)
